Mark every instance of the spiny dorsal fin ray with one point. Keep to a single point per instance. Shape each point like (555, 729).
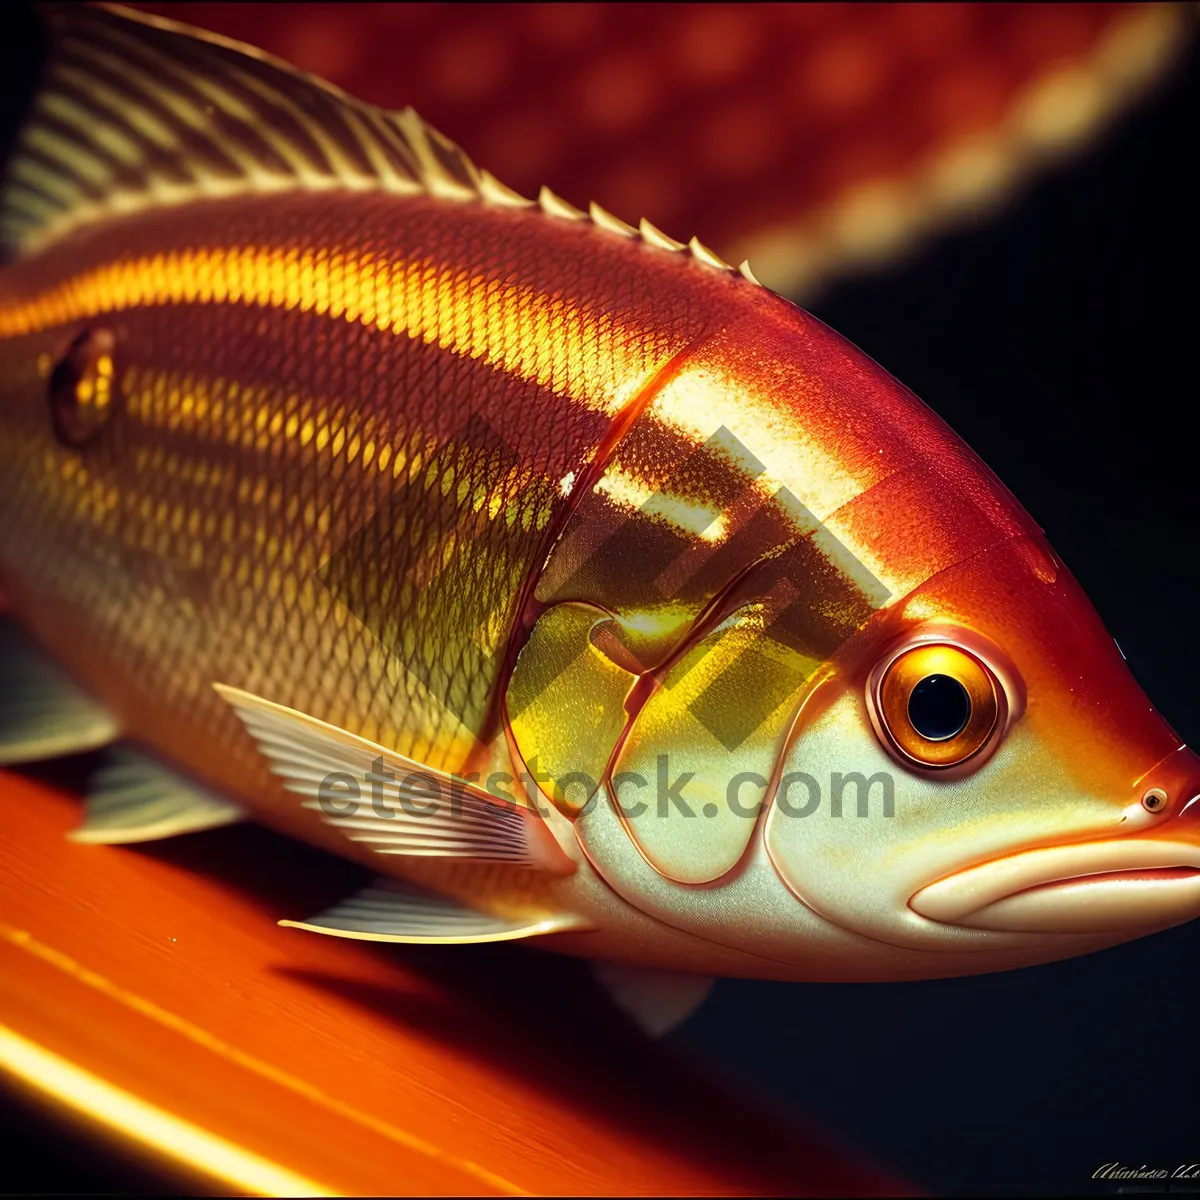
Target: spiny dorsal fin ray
(136, 111)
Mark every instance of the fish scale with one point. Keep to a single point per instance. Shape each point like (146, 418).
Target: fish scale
(282, 466)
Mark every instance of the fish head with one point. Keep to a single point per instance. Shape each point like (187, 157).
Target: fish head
(996, 785)
(893, 712)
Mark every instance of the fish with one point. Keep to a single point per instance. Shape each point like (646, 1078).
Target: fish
(591, 594)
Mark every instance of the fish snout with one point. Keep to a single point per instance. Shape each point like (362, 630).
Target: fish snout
(1144, 877)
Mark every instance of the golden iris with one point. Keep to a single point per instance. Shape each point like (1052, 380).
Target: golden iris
(938, 705)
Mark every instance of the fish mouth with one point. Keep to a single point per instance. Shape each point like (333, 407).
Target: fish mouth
(1093, 887)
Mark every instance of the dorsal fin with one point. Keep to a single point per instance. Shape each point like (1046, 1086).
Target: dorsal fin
(135, 111)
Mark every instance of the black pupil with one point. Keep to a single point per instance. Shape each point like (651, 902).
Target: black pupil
(939, 707)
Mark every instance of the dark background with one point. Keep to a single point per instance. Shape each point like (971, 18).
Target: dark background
(1059, 339)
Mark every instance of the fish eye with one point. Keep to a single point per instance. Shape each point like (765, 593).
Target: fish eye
(82, 389)
(937, 705)
(1155, 800)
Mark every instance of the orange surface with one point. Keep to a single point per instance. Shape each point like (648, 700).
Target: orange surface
(481, 1070)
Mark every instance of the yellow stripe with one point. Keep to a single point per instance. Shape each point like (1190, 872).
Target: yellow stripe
(195, 1033)
(126, 1114)
(631, 491)
(549, 340)
(226, 412)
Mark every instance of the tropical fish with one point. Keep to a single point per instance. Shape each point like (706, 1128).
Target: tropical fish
(584, 588)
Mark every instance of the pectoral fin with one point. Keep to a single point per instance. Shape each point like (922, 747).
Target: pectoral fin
(132, 798)
(390, 802)
(42, 713)
(657, 1000)
(390, 911)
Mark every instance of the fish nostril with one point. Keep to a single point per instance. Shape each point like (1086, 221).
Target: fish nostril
(1155, 800)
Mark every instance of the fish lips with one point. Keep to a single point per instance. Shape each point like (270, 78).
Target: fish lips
(1093, 887)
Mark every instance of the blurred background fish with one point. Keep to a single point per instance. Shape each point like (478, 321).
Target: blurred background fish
(812, 139)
